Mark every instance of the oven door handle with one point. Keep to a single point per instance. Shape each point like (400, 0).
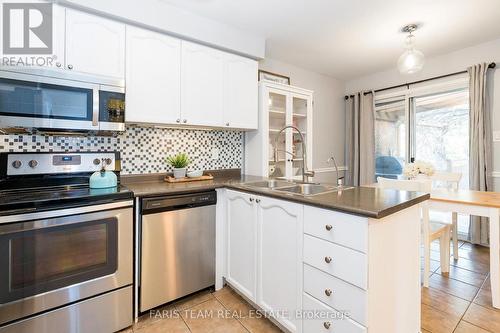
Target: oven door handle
(64, 212)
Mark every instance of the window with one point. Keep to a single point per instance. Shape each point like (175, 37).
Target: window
(390, 138)
(428, 124)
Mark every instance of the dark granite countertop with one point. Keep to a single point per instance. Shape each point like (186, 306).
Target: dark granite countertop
(364, 201)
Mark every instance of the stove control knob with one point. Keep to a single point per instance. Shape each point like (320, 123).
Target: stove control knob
(108, 161)
(33, 163)
(97, 161)
(17, 164)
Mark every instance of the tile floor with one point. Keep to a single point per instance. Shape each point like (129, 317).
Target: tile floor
(458, 303)
(222, 311)
(461, 301)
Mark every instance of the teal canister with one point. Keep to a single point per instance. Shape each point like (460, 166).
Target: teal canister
(103, 179)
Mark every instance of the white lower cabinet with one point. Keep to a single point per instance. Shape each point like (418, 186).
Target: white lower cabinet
(264, 245)
(321, 318)
(319, 271)
(241, 243)
(336, 293)
(279, 268)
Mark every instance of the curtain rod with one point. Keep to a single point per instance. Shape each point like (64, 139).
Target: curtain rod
(491, 65)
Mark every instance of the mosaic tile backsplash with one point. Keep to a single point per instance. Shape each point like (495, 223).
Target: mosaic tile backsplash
(143, 149)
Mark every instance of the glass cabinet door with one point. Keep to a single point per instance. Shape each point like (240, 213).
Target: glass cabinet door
(287, 109)
(298, 118)
(278, 102)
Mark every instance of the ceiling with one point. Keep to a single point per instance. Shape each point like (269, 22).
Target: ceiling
(350, 38)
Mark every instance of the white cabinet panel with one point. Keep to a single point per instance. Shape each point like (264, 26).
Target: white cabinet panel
(337, 227)
(152, 77)
(326, 320)
(240, 92)
(279, 247)
(59, 36)
(201, 85)
(94, 44)
(336, 293)
(339, 261)
(241, 243)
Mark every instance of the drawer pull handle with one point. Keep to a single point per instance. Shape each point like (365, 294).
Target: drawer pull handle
(328, 260)
(328, 292)
(327, 325)
(328, 227)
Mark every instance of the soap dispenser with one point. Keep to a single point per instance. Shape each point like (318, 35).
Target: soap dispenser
(103, 178)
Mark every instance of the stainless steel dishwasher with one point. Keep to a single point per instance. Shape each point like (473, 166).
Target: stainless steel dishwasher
(177, 247)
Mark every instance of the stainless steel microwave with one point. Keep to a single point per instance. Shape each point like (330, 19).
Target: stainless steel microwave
(57, 100)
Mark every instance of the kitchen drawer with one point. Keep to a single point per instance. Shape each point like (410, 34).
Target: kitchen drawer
(343, 296)
(344, 263)
(347, 230)
(326, 317)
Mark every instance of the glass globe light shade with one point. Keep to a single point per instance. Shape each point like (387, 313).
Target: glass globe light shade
(411, 61)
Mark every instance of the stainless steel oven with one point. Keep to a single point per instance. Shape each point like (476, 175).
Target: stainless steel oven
(54, 258)
(55, 100)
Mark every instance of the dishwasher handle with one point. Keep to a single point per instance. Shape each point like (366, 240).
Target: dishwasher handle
(175, 202)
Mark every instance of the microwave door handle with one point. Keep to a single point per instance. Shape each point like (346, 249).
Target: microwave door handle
(95, 107)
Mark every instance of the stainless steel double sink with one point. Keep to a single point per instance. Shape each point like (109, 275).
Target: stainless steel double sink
(285, 186)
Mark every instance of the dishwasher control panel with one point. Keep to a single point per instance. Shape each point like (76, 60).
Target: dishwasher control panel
(165, 203)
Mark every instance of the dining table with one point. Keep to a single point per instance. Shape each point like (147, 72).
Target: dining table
(478, 203)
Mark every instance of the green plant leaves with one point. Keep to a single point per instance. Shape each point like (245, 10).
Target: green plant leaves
(179, 161)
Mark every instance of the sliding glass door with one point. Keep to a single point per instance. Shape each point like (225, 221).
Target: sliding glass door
(431, 127)
(391, 141)
(441, 131)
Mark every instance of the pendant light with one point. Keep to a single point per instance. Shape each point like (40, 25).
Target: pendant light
(412, 60)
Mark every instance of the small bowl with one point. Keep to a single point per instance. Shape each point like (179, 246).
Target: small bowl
(194, 174)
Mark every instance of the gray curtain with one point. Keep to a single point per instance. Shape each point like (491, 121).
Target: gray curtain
(479, 147)
(360, 139)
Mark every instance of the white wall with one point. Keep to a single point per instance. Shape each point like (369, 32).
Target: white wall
(445, 64)
(328, 111)
(161, 16)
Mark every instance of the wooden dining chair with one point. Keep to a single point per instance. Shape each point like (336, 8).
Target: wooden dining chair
(430, 231)
(449, 180)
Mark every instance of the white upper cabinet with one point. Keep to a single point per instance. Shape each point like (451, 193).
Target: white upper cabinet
(201, 85)
(153, 77)
(240, 92)
(94, 45)
(59, 38)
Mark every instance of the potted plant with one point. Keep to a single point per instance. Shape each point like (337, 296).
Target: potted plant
(179, 163)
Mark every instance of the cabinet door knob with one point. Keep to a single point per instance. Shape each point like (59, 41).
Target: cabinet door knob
(70, 66)
(58, 64)
(251, 199)
(178, 120)
(328, 292)
(185, 121)
(327, 325)
(328, 260)
(328, 227)
(257, 200)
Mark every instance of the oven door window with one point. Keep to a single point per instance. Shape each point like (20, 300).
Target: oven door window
(43, 100)
(46, 259)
